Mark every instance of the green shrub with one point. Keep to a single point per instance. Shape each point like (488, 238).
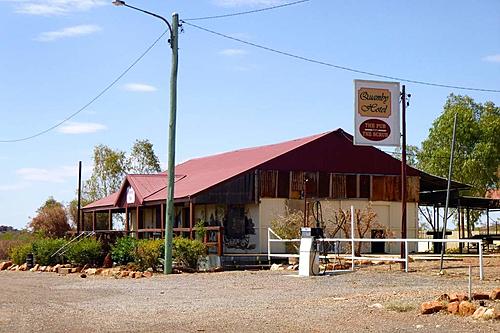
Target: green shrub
(123, 250)
(44, 248)
(187, 251)
(18, 253)
(85, 252)
(200, 230)
(11, 239)
(148, 252)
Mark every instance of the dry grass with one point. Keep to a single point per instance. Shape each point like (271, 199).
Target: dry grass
(400, 306)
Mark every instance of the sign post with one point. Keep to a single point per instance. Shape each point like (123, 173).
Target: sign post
(377, 122)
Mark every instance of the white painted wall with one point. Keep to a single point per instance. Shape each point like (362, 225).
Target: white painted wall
(389, 216)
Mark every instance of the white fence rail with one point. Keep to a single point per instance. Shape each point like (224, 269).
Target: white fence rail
(273, 238)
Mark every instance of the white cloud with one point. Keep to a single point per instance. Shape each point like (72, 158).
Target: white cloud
(81, 128)
(69, 32)
(252, 3)
(139, 87)
(56, 175)
(492, 58)
(14, 187)
(232, 52)
(56, 7)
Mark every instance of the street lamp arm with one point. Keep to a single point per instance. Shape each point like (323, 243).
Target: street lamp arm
(122, 3)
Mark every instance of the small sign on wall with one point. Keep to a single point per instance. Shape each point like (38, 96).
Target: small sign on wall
(376, 113)
(130, 195)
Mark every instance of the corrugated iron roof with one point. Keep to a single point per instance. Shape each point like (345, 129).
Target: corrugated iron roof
(329, 152)
(106, 202)
(199, 174)
(196, 175)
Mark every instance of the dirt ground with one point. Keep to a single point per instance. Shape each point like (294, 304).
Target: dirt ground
(243, 301)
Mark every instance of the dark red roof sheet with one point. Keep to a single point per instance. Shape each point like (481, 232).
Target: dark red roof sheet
(329, 152)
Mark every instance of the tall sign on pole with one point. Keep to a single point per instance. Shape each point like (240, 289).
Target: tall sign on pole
(377, 122)
(376, 113)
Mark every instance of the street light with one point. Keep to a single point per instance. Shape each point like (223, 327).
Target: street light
(169, 218)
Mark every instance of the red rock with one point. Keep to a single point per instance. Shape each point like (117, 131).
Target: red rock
(105, 272)
(443, 298)
(83, 275)
(137, 275)
(35, 268)
(147, 274)
(13, 267)
(458, 297)
(466, 308)
(64, 270)
(453, 307)
(430, 307)
(479, 313)
(23, 267)
(5, 265)
(478, 296)
(124, 274)
(496, 312)
(495, 294)
(98, 271)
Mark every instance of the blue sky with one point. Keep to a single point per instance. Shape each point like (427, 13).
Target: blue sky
(56, 55)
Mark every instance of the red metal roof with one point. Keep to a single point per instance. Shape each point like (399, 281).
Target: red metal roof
(200, 174)
(330, 152)
(106, 202)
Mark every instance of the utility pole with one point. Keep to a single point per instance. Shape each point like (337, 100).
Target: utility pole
(79, 198)
(403, 174)
(450, 171)
(170, 214)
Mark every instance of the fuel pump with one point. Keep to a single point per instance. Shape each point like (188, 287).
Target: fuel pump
(309, 246)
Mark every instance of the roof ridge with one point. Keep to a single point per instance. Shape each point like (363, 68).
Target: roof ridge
(306, 140)
(310, 137)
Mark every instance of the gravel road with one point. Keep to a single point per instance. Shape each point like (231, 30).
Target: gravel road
(245, 301)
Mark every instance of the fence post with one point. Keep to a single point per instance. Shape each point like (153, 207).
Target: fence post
(406, 255)
(268, 245)
(352, 237)
(480, 246)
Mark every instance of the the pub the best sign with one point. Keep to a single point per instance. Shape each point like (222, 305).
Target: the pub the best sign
(376, 113)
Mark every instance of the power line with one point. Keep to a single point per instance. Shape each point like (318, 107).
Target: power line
(246, 12)
(353, 70)
(109, 86)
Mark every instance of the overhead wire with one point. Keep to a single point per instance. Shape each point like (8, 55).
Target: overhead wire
(102, 92)
(246, 12)
(344, 68)
(138, 59)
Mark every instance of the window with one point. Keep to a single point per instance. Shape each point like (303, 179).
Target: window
(364, 186)
(351, 186)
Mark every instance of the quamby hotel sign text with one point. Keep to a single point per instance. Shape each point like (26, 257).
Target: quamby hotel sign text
(376, 118)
